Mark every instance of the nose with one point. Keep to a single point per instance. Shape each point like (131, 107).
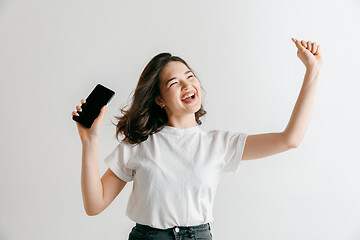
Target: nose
(186, 84)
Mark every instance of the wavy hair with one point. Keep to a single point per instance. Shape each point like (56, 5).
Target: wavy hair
(145, 117)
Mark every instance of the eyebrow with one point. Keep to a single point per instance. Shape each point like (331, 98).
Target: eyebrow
(175, 77)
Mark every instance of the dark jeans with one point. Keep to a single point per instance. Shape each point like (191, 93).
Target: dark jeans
(199, 232)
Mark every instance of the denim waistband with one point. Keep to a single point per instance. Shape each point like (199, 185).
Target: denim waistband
(205, 226)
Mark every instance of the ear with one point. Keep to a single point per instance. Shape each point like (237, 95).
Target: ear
(159, 101)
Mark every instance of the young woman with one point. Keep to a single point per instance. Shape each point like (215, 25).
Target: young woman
(176, 165)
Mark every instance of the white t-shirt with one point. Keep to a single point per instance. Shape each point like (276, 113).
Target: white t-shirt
(176, 173)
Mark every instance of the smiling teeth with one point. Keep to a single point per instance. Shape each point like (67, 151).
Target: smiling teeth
(190, 95)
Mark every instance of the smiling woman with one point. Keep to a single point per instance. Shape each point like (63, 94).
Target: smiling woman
(180, 96)
(158, 99)
(176, 165)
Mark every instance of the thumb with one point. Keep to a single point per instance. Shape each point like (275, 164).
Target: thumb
(102, 112)
(298, 44)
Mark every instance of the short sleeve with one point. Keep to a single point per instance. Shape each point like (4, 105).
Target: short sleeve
(117, 161)
(234, 143)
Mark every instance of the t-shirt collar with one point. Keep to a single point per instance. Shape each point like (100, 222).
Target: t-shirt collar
(181, 131)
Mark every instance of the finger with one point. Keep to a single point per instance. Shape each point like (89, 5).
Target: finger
(309, 44)
(318, 50)
(83, 101)
(102, 111)
(74, 113)
(314, 49)
(101, 115)
(78, 108)
(298, 44)
(303, 43)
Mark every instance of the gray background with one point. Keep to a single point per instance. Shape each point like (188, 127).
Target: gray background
(53, 53)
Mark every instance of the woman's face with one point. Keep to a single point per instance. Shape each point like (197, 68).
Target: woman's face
(176, 82)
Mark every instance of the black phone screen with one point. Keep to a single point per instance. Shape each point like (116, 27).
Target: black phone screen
(99, 97)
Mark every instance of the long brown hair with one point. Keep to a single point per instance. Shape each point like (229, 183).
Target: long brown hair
(145, 117)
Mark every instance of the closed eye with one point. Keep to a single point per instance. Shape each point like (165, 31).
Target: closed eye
(176, 82)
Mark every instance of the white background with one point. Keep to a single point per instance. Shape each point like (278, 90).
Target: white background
(53, 53)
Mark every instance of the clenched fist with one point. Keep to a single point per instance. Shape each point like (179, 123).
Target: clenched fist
(309, 53)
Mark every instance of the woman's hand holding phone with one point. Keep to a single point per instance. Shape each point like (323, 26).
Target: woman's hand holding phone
(90, 134)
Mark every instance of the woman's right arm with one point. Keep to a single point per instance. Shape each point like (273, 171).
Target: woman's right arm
(97, 193)
(91, 186)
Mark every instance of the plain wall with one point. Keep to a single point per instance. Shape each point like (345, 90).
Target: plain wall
(53, 53)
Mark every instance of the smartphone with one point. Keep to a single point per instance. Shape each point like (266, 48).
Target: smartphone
(99, 97)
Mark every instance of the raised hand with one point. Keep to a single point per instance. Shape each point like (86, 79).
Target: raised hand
(89, 134)
(309, 53)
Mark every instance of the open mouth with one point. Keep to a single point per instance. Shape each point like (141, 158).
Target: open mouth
(189, 99)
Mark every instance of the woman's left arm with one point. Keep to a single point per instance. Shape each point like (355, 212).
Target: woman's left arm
(263, 145)
(310, 54)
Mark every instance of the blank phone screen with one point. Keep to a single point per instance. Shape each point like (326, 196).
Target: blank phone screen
(99, 97)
